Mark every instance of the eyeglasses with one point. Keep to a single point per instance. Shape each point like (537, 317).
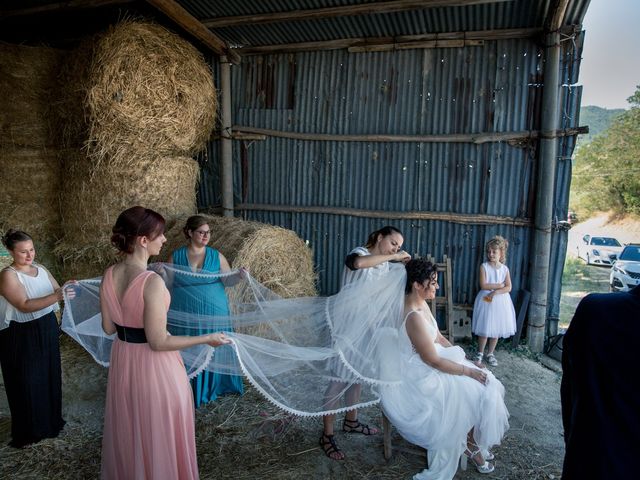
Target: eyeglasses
(203, 233)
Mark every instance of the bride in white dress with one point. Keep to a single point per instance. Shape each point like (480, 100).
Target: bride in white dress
(445, 403)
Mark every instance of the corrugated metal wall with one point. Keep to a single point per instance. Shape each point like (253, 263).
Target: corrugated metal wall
(490, 88)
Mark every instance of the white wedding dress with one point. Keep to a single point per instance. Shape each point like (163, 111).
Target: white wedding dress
(436, 410)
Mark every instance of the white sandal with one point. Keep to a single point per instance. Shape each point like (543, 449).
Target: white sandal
(486, 467)
(491, 360)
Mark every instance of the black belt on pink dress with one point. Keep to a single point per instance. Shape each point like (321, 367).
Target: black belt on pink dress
(131, 335)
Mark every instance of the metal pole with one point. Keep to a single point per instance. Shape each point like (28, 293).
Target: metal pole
(226, 176)
(545, 196)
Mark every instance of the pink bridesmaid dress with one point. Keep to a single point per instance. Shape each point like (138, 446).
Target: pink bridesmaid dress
(149, 425)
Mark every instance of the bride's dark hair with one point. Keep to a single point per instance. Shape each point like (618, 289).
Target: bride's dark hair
(419, 270)
(136, 222)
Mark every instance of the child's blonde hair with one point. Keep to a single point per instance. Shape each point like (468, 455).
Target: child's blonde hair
(498, 243)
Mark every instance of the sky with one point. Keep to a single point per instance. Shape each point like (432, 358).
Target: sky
(610, 69)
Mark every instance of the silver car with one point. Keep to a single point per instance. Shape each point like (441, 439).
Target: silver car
(599, 250)
(625, 273)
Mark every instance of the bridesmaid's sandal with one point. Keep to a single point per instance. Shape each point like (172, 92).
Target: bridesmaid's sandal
(330, 448)
(354, 426)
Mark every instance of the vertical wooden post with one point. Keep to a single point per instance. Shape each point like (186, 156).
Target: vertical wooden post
(539, 277)
(449, 287)
(226, 142)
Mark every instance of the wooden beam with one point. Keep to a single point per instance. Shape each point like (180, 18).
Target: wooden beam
(416, 45)
(353, 43)
(516, 138)
(60, 7)
(473, 219)
(175, 12)
(555, 17)
(343, 11)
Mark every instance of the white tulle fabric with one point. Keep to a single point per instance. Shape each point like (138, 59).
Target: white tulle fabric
(294, 351)
(436, 410)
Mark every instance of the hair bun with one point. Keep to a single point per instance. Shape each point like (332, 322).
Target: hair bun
(119, 241)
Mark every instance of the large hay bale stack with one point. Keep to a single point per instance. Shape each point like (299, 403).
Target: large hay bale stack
(95, 196)
(30, 173)
(28, 86)
(30, 180)
(274, 256)
(139, 101)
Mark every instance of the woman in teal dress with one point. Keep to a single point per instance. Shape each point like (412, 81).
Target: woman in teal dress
(204, 299)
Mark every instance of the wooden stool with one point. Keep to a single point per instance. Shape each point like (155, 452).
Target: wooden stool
(388, 448)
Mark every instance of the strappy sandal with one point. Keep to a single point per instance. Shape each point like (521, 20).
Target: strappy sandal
(354, 426)
(329, 447)
(486, 467)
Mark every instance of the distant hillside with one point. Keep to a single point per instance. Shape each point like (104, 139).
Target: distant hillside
(598, 119)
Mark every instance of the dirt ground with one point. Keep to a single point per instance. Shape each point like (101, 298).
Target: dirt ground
(246, 437)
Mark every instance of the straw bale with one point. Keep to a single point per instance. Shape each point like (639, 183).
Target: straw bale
(94, 196)
(149, 91)
(29, 191)
(28, 83)
(72, 119)
(275, 256)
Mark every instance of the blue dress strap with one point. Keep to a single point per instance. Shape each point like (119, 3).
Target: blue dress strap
(211, 260)
(180, 257)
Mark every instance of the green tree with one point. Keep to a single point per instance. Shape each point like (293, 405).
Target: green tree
(606, 174)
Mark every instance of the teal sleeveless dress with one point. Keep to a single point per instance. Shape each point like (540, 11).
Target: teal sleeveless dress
(207, 299)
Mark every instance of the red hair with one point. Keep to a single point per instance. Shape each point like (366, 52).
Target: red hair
(136, 222)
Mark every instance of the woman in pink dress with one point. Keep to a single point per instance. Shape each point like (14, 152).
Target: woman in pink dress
(149, 428)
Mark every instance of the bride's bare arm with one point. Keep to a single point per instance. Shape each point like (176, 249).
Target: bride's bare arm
(423, 343)
(442, 341)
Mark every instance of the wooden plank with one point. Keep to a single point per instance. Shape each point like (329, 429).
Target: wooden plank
(342, 11)
(484, 35)
(417, 45)
(386, 437)
(469, 219)
(522, 304)
(175, 12)
(556, 14)
(476, 138)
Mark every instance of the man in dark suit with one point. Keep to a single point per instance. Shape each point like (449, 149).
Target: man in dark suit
(601, 388)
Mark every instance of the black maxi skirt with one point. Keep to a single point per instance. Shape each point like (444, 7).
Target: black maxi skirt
(30, 360)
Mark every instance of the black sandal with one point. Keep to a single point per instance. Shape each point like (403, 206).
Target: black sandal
(329, 446)
(357, 427)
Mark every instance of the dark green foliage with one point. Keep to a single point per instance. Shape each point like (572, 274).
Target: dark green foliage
(606, 174)
(598, 119)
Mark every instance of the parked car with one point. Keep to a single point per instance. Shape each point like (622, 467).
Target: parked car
(625, 273)
(599, 250)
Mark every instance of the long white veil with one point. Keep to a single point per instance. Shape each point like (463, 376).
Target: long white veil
(302, 354)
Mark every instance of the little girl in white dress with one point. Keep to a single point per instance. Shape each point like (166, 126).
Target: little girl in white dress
(493, 313)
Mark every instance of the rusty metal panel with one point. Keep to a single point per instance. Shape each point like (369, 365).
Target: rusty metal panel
(496, 87)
